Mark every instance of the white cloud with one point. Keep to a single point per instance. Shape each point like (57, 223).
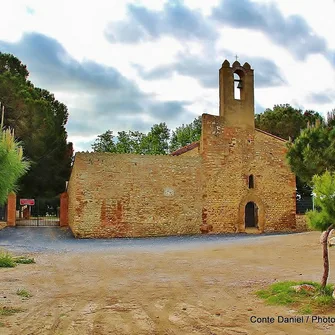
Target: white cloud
(79, 26)
(320, 15)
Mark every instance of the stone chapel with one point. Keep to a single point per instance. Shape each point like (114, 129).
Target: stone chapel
(234, 180)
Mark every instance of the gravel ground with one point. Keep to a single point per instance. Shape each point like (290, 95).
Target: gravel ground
(55, 239)
(200, 285)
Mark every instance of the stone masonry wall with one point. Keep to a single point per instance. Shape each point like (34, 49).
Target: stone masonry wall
(230, 155)
(224, 164)
(301, 222)
(73, 212)
(114, 195)
(191, 153)
(275, 183)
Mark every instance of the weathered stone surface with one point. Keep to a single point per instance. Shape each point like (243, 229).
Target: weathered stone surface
(112, 195)
(301, 222)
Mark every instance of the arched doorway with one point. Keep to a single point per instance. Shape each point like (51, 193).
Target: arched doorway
(251, 215)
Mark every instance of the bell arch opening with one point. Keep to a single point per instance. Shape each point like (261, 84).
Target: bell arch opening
(237, 86)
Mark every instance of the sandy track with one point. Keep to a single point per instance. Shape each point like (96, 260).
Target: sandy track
(198, 291)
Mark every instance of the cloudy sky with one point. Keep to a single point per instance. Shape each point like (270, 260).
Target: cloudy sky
(126, 65)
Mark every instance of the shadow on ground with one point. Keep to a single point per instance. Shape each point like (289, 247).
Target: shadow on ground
(56, 239)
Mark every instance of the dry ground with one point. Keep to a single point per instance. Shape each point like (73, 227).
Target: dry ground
(207, 291)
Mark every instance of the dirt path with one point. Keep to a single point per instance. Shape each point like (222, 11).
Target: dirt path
(207, 291)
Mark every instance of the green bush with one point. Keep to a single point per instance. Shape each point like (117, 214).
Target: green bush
(24, 260)
(6, 260)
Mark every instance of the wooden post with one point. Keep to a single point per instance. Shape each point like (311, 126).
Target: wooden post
(11, 209)
(64, 206)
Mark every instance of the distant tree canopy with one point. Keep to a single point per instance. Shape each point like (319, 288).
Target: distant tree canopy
(285, 121)
(39, 121)
(104, 142)
(313, 151)
(186, 134)
(155, 142)
(158, 141)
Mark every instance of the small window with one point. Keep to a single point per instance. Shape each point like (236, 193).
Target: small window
(251, 181)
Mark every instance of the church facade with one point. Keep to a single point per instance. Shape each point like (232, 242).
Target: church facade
(235, 179)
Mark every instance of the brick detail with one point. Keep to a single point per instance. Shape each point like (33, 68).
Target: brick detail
(126, 195)
(11, 210)
(63, 215)
(301, 222)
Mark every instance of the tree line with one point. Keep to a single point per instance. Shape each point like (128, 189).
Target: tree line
(282, 120)
(158, 141)
(39, 122)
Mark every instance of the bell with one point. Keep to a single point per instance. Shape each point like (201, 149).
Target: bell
(240, 84)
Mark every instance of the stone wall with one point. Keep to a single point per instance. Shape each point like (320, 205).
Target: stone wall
(192, 153)
(11, 209)
(116, 195)
(275, 183)
(230, 155)
(301, 222)
(72, 189)
(222, 173)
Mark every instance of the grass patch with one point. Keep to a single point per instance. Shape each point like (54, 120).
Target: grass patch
(9, 261)
(306, 309)
(24, 260)
(305, 301)
(7, 311)
(6, 260)
(23, 293)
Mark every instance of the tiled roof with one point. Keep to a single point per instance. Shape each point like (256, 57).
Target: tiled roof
(274, 136)
(185, 148)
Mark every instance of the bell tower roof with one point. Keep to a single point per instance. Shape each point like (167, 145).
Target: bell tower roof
(236, 89)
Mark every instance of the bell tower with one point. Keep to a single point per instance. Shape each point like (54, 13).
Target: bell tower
(236, 87)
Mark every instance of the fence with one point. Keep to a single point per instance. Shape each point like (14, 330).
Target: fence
(304, 203)
(3, 213)
(43, 212)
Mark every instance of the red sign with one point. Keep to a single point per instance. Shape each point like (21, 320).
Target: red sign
(30, 202)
